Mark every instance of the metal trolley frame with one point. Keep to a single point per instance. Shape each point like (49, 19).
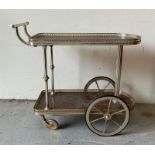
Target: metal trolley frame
(106, 110)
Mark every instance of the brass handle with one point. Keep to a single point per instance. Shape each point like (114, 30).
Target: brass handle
(24, 25)
(20, 24)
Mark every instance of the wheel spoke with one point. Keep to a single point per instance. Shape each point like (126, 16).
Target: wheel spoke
(98, 110)
(97, 85)
(109, 106)
(100, 118)
(106, 86)
(117, 112)
(105, 124)
(115, 123)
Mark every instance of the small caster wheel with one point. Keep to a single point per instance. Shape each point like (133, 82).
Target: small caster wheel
(52, 124)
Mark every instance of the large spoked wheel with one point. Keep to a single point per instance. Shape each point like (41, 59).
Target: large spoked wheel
(107, 116)
(99, 84)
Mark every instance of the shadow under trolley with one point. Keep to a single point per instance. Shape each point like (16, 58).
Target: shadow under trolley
(106, 108)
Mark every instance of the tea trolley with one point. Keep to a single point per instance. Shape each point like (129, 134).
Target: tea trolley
(106, 108)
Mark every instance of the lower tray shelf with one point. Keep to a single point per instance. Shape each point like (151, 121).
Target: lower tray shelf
(72, 102)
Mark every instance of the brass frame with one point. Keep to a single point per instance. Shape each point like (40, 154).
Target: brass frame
(50, 39)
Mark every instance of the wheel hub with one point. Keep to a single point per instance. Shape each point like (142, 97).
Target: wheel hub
(107, 116)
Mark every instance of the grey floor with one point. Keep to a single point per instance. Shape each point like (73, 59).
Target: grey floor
(18, 125)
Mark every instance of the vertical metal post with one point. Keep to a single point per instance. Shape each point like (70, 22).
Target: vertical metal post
(118, 69)
(52, 72)
(46, 78)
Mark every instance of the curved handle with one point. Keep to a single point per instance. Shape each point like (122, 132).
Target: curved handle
(24, 25)
(20, 24)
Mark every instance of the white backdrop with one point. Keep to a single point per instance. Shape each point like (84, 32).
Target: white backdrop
(21, 67)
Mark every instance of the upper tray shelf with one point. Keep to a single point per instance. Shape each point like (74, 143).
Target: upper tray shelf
(43, 39)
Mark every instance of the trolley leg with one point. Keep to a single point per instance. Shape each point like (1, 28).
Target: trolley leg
(52, 72)
(46, 78)
(118, 69)
(44, 119)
